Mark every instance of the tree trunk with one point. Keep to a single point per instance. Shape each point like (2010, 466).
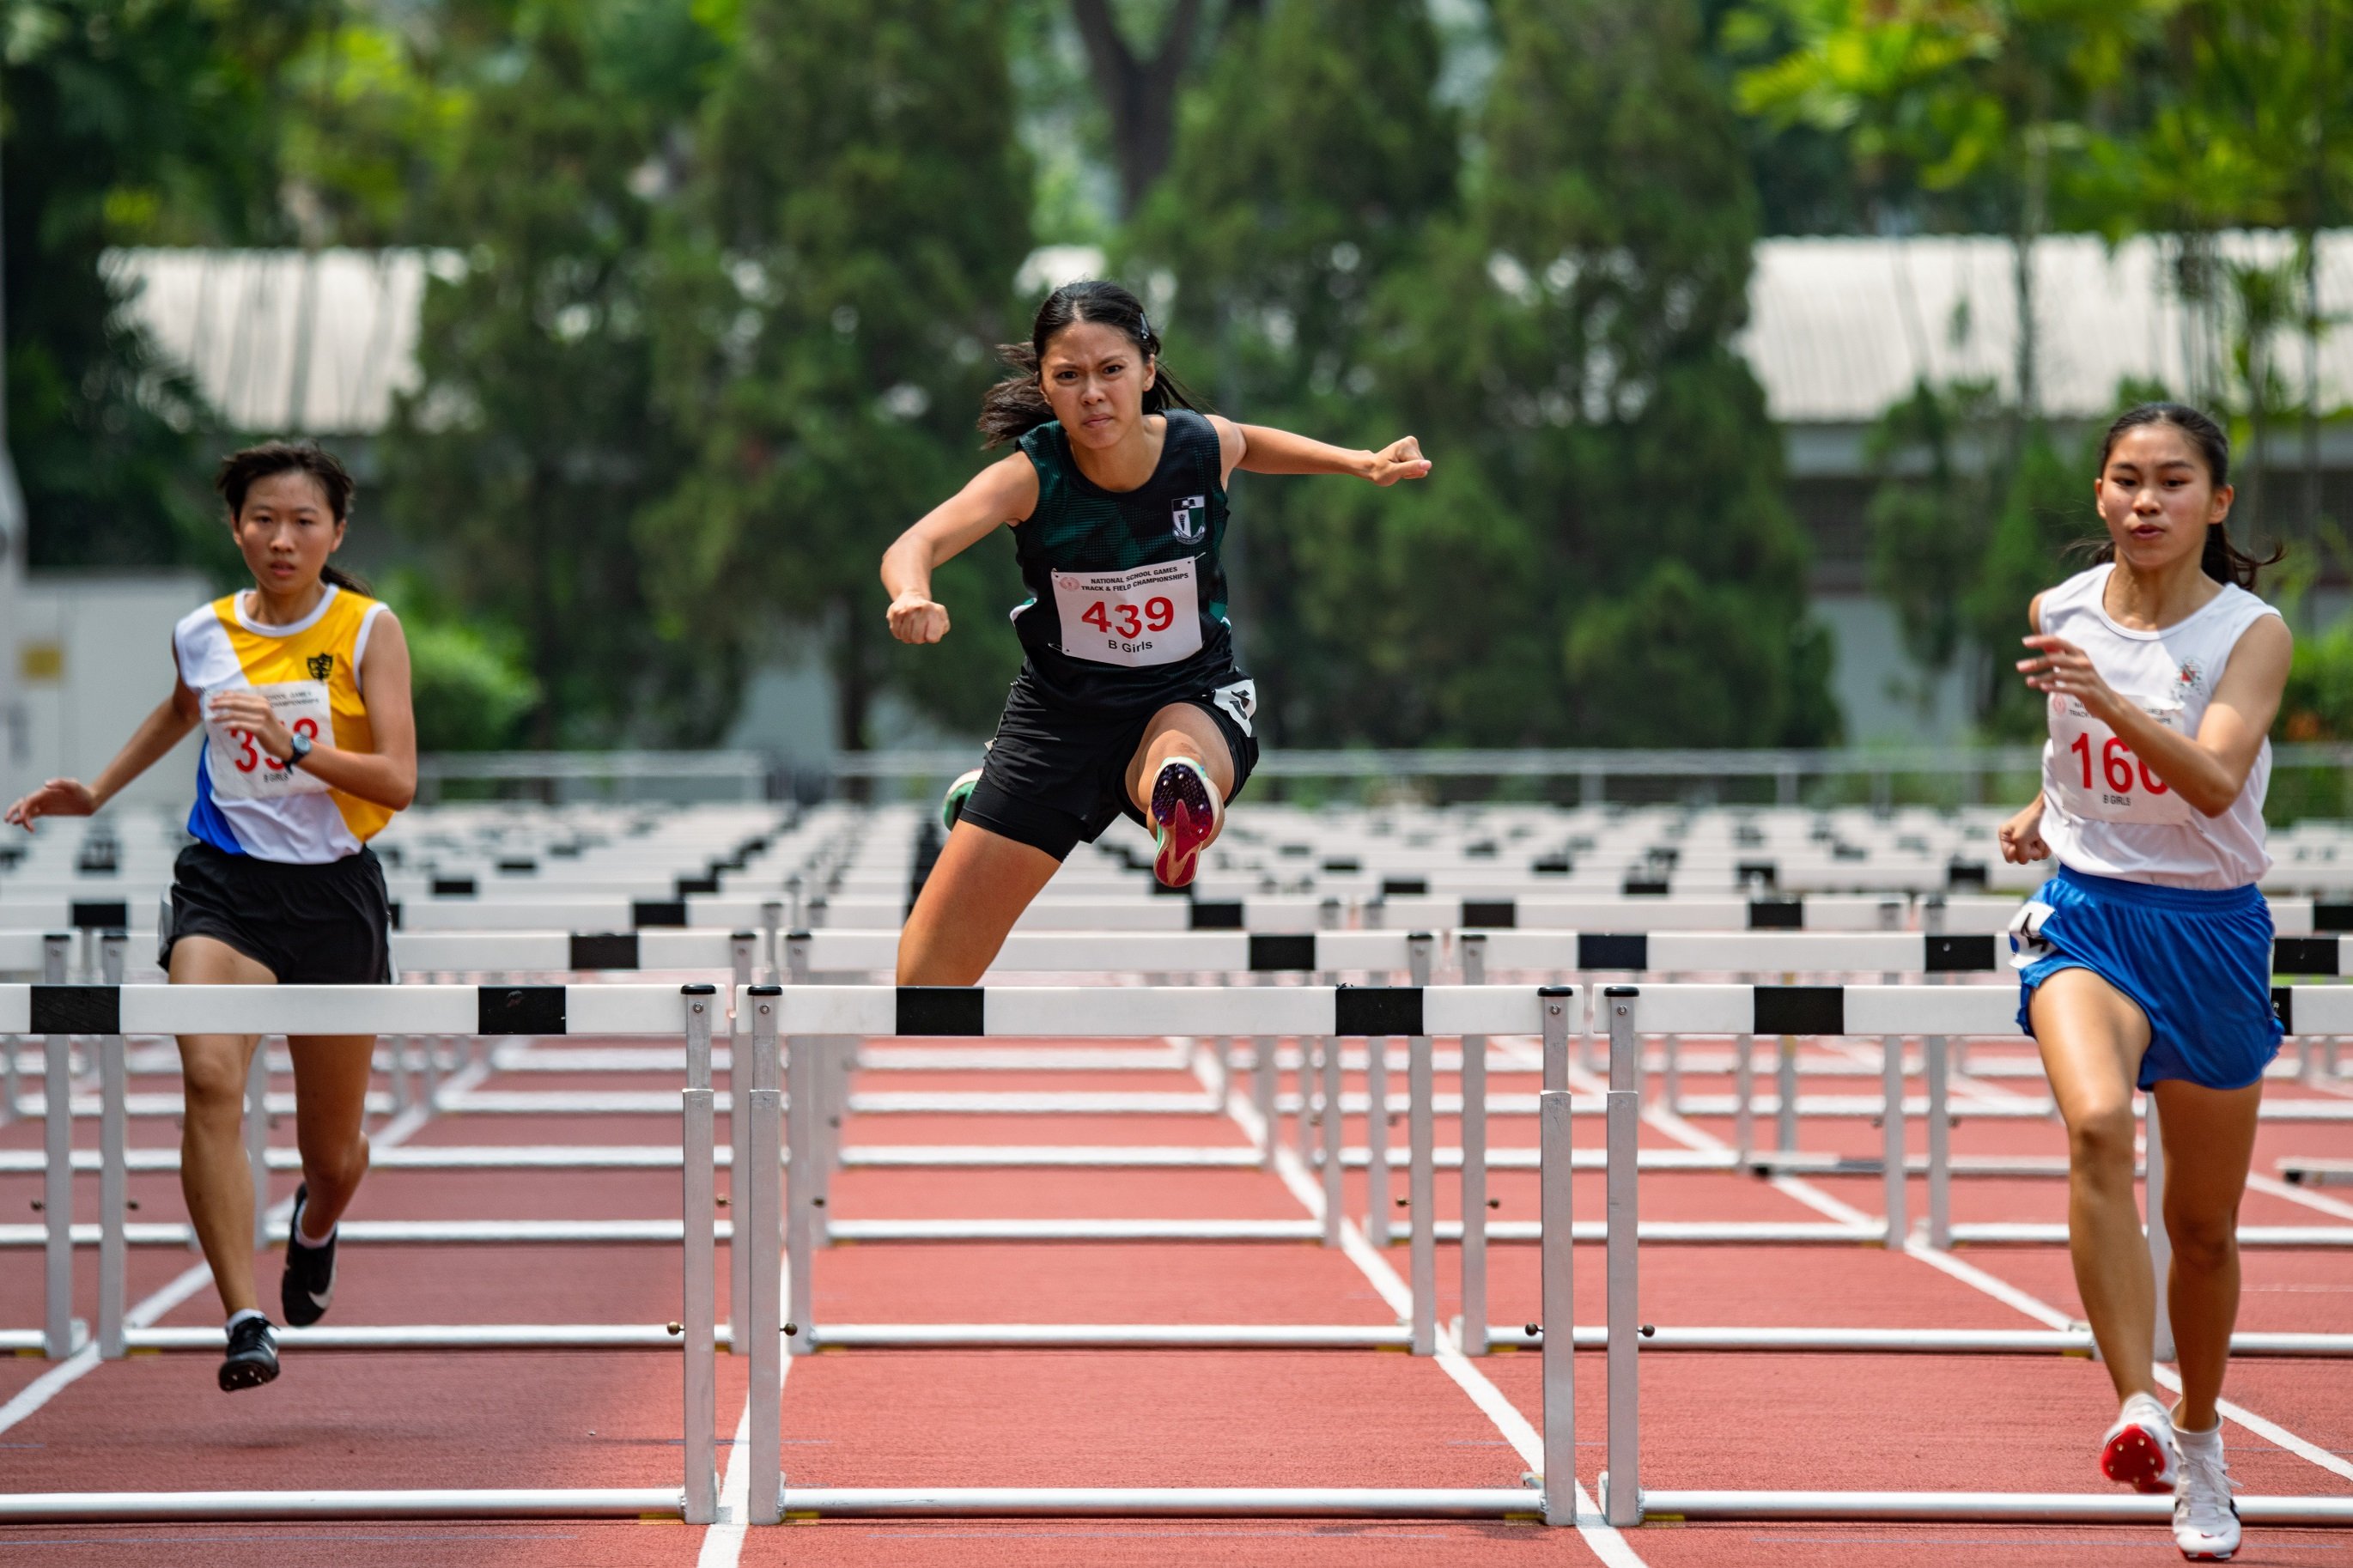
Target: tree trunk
(546, 617)
(1140, 94)
(853, 684)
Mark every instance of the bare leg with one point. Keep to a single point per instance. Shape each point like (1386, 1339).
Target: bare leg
(979, 887)
(2210, 1141)
(330, 1081)
(2092, 1039)
(214, 1178)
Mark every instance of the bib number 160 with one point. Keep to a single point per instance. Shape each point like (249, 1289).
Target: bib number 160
(2118, 765)
(1123, 619)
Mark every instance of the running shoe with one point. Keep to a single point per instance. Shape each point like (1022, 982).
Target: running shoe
(2205, 1519)
(1186, 814)
(952, 804)
(308, 1287)
(2139, 1451)
(252, 1358)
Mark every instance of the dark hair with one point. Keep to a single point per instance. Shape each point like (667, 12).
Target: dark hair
(240, 471)
(1017, 406)
(2222, 560)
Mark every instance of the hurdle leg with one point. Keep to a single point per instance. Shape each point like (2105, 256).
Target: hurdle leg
(698, 1308)
(112, 1195)
(256, 1137)
(1787, 1112)
(759, 1210)
(1377, 1141)
(2160, 1243)
(56, 1197)
(741, 1175)
(1891, 1072)
(1472, 1332)
(1941, 1147)
(396, 1067)
(1303, 1128)
(1559, 1264)
(1671, 1078)
(1421, 1193)
(1334, 1123)
(805, 1207)
(1262, 1092)
(1743, 1097)
(1622, 1489)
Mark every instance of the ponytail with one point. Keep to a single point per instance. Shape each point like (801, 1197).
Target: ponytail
(335, 576)
(2221, 560)
(1016, 404)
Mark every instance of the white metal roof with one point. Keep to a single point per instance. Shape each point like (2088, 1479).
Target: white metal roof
(288, 341)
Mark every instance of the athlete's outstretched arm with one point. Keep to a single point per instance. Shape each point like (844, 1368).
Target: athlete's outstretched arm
(2207, 769)
(385, 777)
(1262, 449)
(1004, 492)
(156, 735)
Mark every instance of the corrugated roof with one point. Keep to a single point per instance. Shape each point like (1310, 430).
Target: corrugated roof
(320, 341)
(1841, 328)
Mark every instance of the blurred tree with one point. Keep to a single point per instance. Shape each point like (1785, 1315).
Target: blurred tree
(1309, 161)
(520, 463)
(124, 124)
(860, 207)
(1602, 555)
(1139, 90)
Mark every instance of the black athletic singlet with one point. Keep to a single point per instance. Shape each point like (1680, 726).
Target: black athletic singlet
(1127, 594)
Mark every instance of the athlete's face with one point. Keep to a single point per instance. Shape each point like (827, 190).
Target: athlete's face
(2157, 497)
(1094, 378)
(286, 530)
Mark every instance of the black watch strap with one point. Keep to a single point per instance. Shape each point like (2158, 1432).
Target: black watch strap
(300, 752)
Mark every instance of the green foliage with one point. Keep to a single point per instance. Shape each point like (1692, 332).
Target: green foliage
(1564, 347)
(860, 207)
(521, 463)
(472, 690)
(124, 124)
(1308, 164)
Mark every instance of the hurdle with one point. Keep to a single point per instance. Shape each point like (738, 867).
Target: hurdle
(108, 1012)
(1632, 1012)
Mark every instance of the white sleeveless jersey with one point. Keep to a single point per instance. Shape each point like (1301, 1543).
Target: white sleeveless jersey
(2106, 812)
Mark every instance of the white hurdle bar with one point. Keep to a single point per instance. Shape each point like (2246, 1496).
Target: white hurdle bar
(108, 1012)
(1631, 1013)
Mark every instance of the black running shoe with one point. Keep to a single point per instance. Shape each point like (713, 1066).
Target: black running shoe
(252, 1355)
(308, 1287)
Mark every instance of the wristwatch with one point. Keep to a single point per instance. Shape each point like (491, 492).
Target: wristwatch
(301, 751)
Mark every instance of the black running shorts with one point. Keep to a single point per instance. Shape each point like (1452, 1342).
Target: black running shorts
(1056, 776)
(309, 925)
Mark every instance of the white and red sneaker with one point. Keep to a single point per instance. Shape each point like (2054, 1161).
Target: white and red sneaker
(1186, 815)
(2139, 1451)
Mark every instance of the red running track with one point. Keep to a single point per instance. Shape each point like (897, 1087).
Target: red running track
(1097, 1418)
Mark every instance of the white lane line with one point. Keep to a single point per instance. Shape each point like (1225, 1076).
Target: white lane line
(2296, 1195)
(2011, 1296)
(1602, 1537)
(83, 1362)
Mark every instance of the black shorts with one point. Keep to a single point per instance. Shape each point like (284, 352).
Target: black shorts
(1056, 775)
(309, 925)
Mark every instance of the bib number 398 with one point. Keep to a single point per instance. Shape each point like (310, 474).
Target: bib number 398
(1147, 616)
(2099, 775)
(238, 767)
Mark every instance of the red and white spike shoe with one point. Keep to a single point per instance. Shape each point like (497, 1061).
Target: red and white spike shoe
(2138, 1450)
(1186, 815)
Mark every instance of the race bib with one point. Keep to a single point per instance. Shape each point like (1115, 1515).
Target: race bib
(1149, 616)
(2100, 777)
(239, 769)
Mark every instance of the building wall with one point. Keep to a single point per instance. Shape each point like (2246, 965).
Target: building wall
(93, 654)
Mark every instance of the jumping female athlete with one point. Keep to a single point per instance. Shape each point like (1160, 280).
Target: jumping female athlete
(301, 686)
(1128, 700)
(2145, 960)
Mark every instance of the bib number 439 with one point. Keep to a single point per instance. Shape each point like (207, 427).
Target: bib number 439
(1151, 614)
(1123, 618)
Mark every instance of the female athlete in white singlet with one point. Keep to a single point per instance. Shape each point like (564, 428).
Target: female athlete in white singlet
(301, 687)
(2146, 961)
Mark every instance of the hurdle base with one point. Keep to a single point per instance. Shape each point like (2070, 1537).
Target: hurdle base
(165, 1507)
(1975, 1507)
(1162, 1502)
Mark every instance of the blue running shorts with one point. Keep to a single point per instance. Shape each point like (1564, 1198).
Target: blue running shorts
(2197, 961)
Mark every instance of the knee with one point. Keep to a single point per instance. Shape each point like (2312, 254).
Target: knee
(2100, 1142)
(2204, 1241)
(340, 1167)
(213, 1091)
